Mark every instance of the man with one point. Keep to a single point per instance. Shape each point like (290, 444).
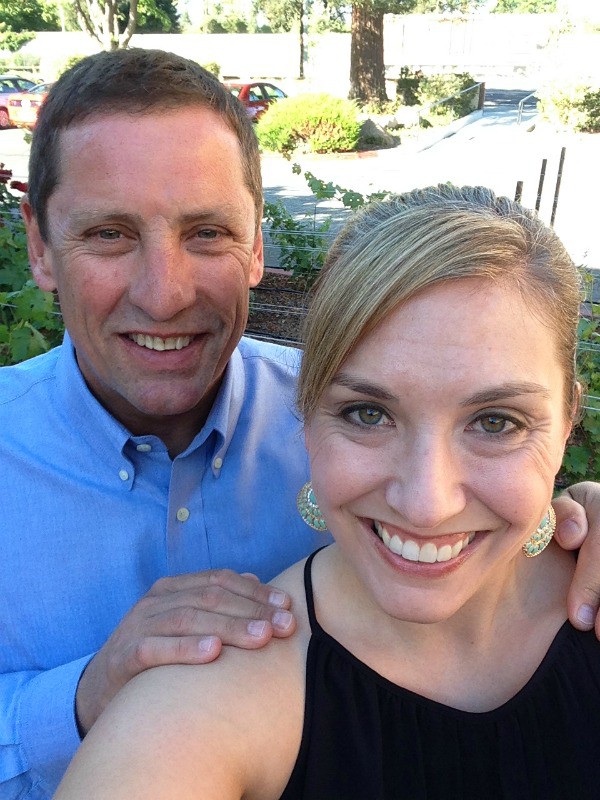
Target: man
(153, 449)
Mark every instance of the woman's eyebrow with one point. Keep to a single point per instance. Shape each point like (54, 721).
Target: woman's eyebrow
(361, 386)
(506, 390)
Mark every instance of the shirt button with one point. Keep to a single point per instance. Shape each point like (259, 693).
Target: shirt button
(123, 474)
(183, 515)
(143, 448)
(218, 463)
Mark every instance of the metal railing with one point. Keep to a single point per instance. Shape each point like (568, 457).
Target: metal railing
(521, 104)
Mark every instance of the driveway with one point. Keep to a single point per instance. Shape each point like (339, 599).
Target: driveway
(493, 151)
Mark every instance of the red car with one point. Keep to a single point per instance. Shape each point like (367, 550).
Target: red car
(23, 107)
(256, 96)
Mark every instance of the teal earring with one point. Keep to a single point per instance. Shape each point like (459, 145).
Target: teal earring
(540, 540)
(308, 508)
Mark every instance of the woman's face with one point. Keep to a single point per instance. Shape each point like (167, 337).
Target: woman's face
(434, 450)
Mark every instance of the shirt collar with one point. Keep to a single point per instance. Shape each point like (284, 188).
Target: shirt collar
(94, 423)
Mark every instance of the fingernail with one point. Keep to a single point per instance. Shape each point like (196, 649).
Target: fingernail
(256, 627)
(277, 598)
(207, 643)
(282, 620)
(586, 615)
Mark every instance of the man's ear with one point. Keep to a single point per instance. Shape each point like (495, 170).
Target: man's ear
(40, 259)
(258, 260)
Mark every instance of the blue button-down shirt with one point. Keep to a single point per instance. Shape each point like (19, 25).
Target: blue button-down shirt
(91, 517)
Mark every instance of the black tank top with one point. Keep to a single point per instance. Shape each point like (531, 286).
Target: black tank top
(366, 738)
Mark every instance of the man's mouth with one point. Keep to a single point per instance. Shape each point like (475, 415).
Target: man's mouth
(428, 552)
(158, 343)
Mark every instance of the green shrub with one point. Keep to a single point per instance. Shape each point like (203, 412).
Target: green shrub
(231, 23)
(302, 243)
(316, 123)
(433, 88)
(28, 60)
(67, 63)
(213, 68)
(407, 86)
(574, 107)
(12, 40)
(30, 322)
(582, 456)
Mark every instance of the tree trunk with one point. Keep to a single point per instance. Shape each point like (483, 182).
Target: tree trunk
(99, 19)
(367, 71)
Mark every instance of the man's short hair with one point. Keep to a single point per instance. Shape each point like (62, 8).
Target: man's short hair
(131, 81)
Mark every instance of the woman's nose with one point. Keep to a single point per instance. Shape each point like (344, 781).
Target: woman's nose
(428, 485)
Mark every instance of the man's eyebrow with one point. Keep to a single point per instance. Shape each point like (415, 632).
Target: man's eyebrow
(361, 386)
(99, 215)
(496, 393)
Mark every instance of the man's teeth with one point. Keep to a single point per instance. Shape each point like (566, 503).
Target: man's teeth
(427, 553)
(156, 343)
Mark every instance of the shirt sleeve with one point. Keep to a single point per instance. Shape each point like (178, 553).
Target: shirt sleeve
(38, 730)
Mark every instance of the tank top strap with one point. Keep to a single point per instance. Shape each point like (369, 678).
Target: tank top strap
(308, 591)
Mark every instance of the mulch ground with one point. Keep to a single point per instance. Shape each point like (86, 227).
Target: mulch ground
(278, 307)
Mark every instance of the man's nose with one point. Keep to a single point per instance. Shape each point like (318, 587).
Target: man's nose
(428, 485)
(163, 284)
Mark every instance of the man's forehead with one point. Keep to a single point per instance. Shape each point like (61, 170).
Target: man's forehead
(206, 117)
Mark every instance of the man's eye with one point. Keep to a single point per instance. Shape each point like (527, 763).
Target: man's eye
(109, 234)
(207, 234)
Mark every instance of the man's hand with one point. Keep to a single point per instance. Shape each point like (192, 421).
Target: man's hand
(183, 620)
(577, 510)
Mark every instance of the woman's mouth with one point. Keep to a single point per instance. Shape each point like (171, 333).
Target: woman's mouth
(428, 552)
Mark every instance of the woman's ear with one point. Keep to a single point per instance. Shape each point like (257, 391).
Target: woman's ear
(40, 260)
(577, 409)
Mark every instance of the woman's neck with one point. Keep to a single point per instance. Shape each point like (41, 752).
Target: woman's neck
(475, 659)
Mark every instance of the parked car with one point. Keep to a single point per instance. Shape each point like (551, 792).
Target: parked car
(9, 85)
(256, 96)
(23, 107)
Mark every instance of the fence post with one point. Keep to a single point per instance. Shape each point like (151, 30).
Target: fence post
(481, 99)
(557, 189)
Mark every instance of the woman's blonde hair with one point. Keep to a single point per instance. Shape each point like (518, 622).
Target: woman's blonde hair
(393, 249)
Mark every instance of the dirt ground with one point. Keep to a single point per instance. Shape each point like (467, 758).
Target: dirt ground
(277, 308)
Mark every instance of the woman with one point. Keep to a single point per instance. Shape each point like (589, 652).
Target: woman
(433, 659)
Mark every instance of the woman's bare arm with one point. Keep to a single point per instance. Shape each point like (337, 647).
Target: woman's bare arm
(218, 731)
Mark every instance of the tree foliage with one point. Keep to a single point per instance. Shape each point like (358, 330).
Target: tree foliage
(525, 7)
(283, 15)
(157, 16)
(20, 18)
(29, 15)
(495, 6)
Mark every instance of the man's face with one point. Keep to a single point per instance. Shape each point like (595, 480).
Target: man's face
(152, 247)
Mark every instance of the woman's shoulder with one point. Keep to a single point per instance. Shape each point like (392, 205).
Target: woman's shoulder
(222, 730)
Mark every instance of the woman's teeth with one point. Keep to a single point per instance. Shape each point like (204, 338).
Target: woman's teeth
(427, 553)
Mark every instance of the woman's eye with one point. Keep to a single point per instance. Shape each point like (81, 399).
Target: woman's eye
(497, 423)
(370, 416)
